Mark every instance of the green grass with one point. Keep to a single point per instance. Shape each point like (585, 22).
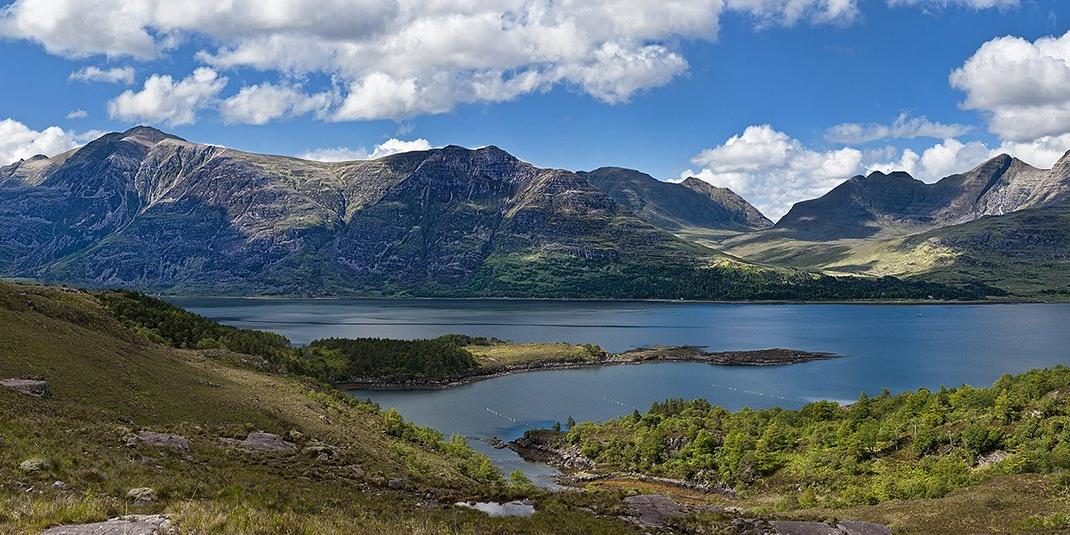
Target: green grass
(507, 353)
(109, 381)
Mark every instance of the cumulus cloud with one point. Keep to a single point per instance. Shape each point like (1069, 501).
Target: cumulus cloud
(163, 100)
(1022, 87)
(903, 127)
(773, 170)
(386, 148)
(18, 141)
(1042, 152)
(114, 75)
(261, 103)
(941, 4)
(77, 114)
(943, 159)
(791, 12)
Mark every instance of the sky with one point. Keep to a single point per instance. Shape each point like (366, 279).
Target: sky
(779, 100)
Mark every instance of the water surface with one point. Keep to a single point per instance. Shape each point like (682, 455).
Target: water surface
(897, 347)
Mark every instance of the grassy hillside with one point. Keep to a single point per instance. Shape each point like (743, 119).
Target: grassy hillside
(355, 469)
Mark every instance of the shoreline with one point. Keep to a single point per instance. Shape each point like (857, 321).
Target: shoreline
(1010, 300)
(695, 354)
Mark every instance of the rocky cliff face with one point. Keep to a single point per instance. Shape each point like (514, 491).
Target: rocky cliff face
(148, 210)
(862, 206)
(690, 204)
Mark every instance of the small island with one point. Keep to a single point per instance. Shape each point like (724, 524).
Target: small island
(495, 358)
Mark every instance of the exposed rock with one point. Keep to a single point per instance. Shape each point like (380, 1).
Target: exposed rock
(398, 483)
(59, 485)
(321, 452)
(160, 440)
(260, 441)
(652, 509)
(125, 525)
(984, 461)
(542, 447)
(792, 527)
(30, 387)
(34, 465)
(141, 495)
(355, 470)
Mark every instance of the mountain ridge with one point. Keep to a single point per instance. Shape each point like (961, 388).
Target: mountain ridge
(862, 205)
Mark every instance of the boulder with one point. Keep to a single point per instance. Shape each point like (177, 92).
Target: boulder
(160, 440)
(30, 387)
(34, 465)
(260, 441)
(847, 527)
(652, 509)
(124, 525)
(321, 452)
(398, 483)
(141, 495)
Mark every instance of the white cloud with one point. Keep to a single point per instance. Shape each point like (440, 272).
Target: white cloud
(18, 141)
(115, 75)
(261, 103)
(773, 170)
(941, 4)
(1022, 87)
(903, 127)
(791, 12)
(163, 100)
(78, 114)
(386, 148)
(943, 159)
(1042, 152)
(402, 58)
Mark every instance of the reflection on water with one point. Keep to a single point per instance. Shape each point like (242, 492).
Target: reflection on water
(898, 347)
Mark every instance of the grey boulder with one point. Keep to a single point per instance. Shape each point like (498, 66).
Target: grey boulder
(125, 525)
(30, 387)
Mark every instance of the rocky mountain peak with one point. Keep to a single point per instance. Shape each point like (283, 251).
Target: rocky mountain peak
(147, 135)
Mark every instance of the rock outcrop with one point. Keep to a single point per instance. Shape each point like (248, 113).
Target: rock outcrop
(30, 387)
(268, 442)
(124, 525)
(159, 440)
(141, 495)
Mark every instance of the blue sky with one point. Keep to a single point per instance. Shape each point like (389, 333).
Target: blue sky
(778, 99)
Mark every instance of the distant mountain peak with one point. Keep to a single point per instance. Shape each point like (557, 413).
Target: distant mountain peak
(148, 135)
(673, 206)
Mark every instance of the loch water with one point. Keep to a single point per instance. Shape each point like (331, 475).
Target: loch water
(899, 347)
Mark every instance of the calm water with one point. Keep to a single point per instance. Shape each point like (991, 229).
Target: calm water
(898, 347)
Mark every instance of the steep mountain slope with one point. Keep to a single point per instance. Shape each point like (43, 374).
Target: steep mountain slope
(147, 210)
(693, 204)
(150, 210)
(898, 203)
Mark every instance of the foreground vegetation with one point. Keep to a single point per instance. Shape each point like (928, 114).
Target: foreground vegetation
(918, 445)
(966, 460)
(353, 468)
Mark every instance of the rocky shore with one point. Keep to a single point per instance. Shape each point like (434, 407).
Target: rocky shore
(759, 357)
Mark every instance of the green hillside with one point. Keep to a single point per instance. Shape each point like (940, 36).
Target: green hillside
(353, 469)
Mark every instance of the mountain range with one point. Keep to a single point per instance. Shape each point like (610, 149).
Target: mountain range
(149, 210)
